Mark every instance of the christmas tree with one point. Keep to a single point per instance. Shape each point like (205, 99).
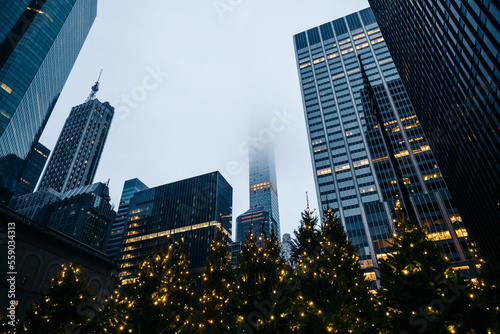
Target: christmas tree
(260, 278)
(216, 306)
(159, 301)
(420, 292)
(65, 306)
(333, 295)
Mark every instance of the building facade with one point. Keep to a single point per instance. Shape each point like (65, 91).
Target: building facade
(34, 167)
(448, 54)
(85, 214)
(263, 185)
(39, 43)
(79, 147)
(353, 172)
(257, 221)
(35, 206)
(116, 238)
(191, 211)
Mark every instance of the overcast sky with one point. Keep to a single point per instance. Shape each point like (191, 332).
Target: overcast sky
(187, 78)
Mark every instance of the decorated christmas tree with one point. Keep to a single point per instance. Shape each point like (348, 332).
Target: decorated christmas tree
(333, 295)
(160, 300)
(420, 292)
(64, 306)
(260, 278)
(216, 305)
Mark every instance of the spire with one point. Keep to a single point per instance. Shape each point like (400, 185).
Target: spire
(95, 89)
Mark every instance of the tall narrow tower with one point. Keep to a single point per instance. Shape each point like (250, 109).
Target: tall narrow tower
(80, 145)
(263, 187)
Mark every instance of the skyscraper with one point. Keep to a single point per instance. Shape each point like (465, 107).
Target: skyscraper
(263, 185)
(194, 210)
(79, 147)
(353, 172)
(448, 56)
(34, 167)
(84, 213)
(39, 43)
(118, 230)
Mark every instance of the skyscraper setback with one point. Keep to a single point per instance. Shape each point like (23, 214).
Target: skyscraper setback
(39, 43)
(448, 54)
(353, 172)
(79, 147)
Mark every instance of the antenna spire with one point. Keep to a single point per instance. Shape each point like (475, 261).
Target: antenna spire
(95, 89)
(307, 200)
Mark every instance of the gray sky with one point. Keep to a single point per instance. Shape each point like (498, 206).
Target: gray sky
(186, 77)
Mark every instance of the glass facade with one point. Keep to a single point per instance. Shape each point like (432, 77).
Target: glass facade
(263, 186)
(39, 43)
(448, 54)
(352, 168)
(192, 210)
(85, 214)
(115, 239)
(34, 167)
(79, 147)
(255, 220)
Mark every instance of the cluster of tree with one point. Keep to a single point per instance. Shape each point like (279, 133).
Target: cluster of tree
(322, 289)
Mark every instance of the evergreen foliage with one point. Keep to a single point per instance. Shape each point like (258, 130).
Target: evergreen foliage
(420, 292)
(160, 300)
(65, 306)
(216, 311)
(325, 290)
(333, 295)
(260, 278)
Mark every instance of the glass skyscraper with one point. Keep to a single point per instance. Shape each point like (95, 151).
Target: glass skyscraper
(118, 230)
(39, 43)
(263, 185)
(79, 147)
(353, 172)
(194, 210)
(448, 53)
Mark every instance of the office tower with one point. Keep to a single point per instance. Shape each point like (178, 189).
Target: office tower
(353, 172)
(192, 211)
(263, 186)
(115, 239)
(79, 147)
(448, 56)
(257, 221)
(34, 167)
(39, 43)
(85, 214)
(35, 206)
(286, 246)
